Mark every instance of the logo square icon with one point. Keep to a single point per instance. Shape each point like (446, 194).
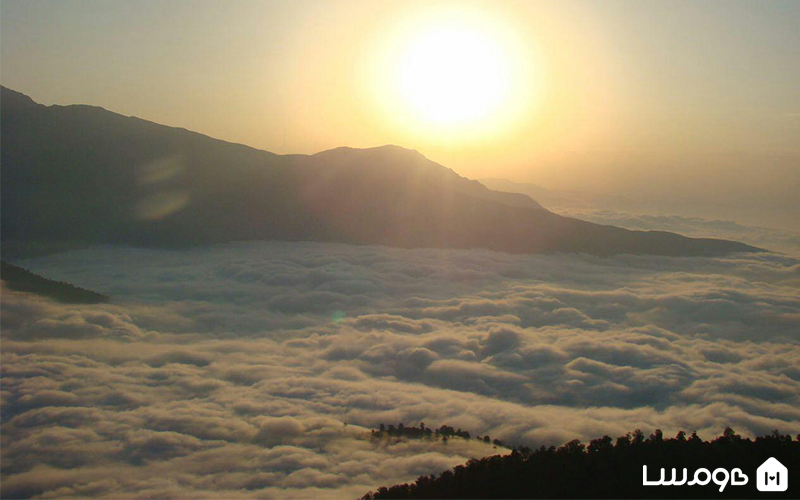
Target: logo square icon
(772, 476)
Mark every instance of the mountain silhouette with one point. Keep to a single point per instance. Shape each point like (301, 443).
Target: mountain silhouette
(22, 280)
(559, 197)
(84, 175)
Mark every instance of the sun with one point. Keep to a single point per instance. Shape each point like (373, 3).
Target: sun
(452, 76)
(453, 73)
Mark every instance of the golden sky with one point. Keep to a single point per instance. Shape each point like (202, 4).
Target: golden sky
(699, 100)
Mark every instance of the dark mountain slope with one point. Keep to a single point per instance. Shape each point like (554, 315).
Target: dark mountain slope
(22, 280)
(608, 468)
(81, 174)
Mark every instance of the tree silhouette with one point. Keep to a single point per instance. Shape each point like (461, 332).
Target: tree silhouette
(606, 470)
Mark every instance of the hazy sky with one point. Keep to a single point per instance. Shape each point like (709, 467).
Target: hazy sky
(669, 101)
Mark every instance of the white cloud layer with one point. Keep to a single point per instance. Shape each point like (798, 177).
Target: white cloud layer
(232, 371)
(771, 238)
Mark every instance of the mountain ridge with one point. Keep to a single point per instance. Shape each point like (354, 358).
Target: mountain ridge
(22, 280)
(84, 174)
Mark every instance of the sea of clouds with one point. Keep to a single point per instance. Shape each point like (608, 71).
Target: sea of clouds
(257, 370)
(772, 238)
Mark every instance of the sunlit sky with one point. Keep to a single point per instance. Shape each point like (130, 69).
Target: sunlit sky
(697, 102)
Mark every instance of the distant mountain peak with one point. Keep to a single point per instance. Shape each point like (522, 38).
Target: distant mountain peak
(75, 174)
(386, 149)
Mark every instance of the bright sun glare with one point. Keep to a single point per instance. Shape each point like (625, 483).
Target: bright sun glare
(452, 74)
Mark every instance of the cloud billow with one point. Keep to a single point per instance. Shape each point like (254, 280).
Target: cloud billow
(232, 370)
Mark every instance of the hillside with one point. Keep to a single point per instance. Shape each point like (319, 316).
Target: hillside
(84, 175)
(609, 468)
(22, 280)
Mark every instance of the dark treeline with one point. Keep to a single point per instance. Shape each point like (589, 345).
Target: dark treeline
(22, 280)
(609, 468)
(444, 433)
